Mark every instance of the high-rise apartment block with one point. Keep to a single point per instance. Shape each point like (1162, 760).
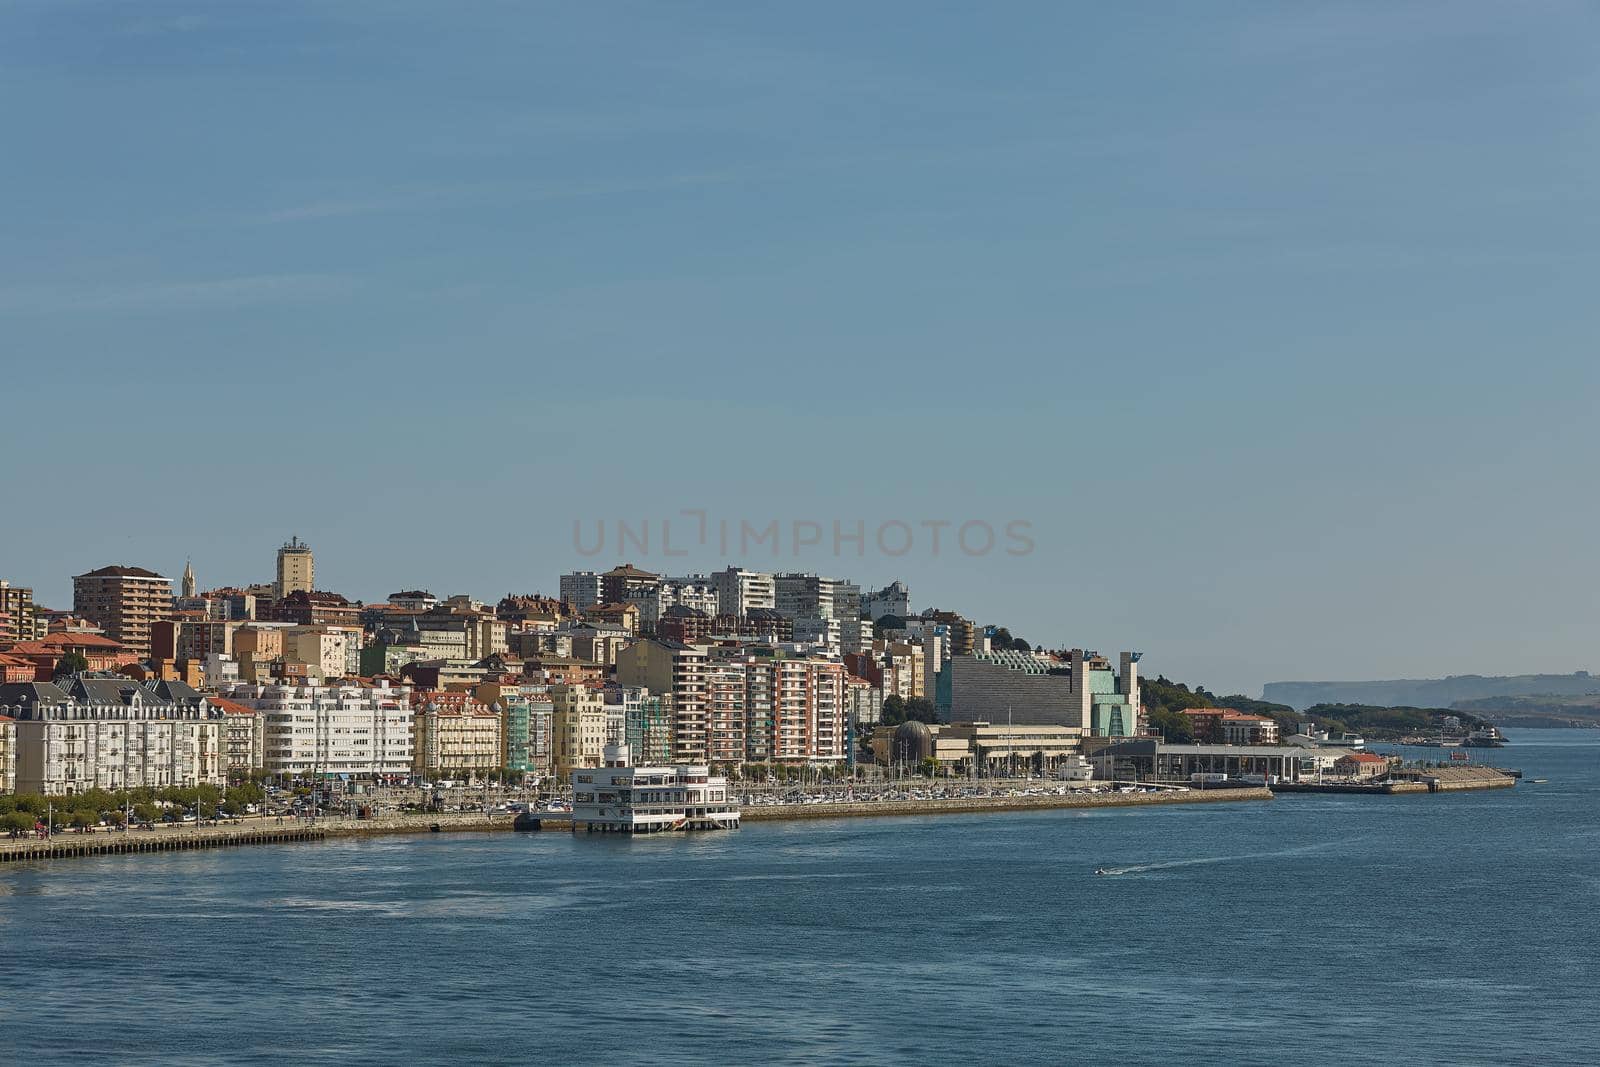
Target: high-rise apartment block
(740, 592)
(19, 616)
(676, 669)
(740, 704)
(297, 570)
(581, 589)
(764, 708)
(825, 610)
(124, 602)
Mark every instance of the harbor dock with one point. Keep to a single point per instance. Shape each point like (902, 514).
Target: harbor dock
(67, 844)
(949, 806)
(1410, 780)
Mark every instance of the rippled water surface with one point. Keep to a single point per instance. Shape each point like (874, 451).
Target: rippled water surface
(1442, 929)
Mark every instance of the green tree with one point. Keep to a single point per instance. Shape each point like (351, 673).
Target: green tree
(920, 709)
(887, 622)
(71, 663)
(894, 710)
(20, 821)
(81, 818)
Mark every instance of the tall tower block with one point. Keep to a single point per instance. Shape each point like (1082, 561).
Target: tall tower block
(297, 570)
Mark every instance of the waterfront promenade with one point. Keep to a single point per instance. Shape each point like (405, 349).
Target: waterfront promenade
(274, 830)
(67, 844)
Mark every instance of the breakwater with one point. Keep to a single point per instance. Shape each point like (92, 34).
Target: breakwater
(1365, 788)
(1412, 780)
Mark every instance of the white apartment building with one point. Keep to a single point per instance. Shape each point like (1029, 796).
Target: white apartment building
(740, 591)
(333, 729)
(112, 733)
(893, 599)
(8, 754)
(694, 591)
(646, 722)
(243, 738)
(824, 610)
(863, 701)
(825, 632)
(220, 671)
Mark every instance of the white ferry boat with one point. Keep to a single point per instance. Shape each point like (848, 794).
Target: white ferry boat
(618, 798)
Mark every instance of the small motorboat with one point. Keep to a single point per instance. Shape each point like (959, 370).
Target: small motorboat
(1101, 870)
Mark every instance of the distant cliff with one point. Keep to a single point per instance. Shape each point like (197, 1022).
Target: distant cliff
(1429, 692)
(1542, 710)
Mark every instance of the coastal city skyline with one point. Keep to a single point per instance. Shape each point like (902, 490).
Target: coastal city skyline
(829, 533)
(1264, 319)
(687, 558)
(142, 685)
(684, 562)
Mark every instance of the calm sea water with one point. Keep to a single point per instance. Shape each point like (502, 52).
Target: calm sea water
(1444, 929)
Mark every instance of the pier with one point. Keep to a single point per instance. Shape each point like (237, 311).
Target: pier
(66, 844)
(1411, 780)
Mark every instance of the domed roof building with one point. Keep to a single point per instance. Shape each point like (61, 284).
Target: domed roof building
(913, 743)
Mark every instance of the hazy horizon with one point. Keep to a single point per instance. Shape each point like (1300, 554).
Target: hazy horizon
(1269, 323)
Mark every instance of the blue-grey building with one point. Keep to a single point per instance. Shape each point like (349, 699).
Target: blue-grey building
(1081, 689)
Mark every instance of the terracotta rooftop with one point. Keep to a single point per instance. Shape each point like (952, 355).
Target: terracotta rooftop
(63, 639)
(118, 570)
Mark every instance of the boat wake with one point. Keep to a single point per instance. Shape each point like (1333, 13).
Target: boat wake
(1168, 865)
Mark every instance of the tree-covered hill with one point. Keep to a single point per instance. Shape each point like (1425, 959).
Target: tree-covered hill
(1372, 721)
(1164, 701)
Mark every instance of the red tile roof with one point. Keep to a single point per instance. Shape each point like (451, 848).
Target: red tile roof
(62, 640)
(230, 707)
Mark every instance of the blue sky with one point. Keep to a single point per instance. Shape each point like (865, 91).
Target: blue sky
(1273, 321)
